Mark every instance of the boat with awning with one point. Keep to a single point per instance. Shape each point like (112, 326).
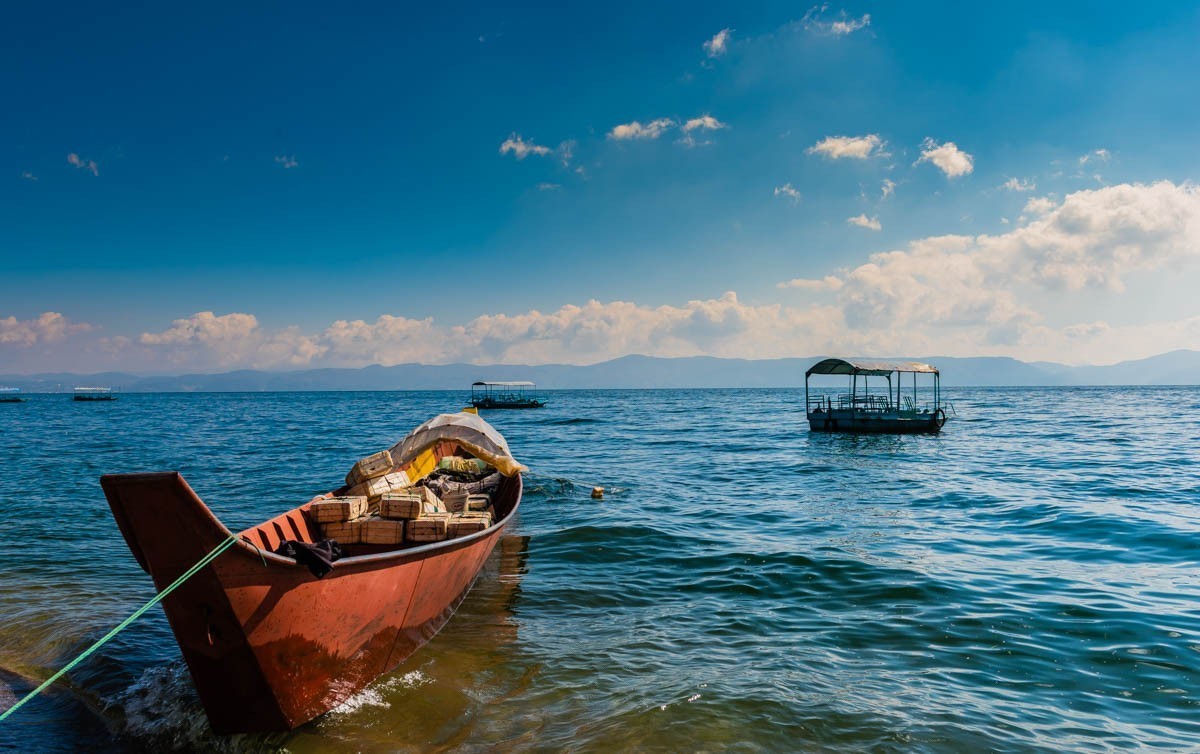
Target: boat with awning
(894, 408)
(505, 395)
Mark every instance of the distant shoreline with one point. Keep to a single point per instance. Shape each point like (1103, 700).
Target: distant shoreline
(626, 373)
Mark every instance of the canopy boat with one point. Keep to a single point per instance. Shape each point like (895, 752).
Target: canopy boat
(505, 395)
(860, 410)
(95, 394)
(11, 395)
(269, 645)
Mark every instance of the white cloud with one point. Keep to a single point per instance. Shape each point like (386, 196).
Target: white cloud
(206, 341)
(705, 122)
(1096, 155)
(592, 332)
(549, 186)
(827, 283)
(29, 176)
(1039, 205)
(887, 188)
(947, 157)
(719, 44)
(813, 21)
(1019, 184)
(521, 148)
(853, 147)
(287, 162)
(49, 327)
(566, 152)
(988, 287)
(636, 130)
(953, 294)
(862, 221)
(789, 191)
(82, 164)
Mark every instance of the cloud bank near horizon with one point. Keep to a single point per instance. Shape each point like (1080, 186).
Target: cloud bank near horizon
(956, 295)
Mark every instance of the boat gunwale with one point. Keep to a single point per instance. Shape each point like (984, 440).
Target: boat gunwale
(248, 548)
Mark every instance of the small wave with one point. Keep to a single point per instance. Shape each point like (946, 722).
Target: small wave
(374, 695)
(161, 711)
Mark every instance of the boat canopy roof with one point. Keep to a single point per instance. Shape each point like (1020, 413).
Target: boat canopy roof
(469, 431)
(872, 367)
(504, 384)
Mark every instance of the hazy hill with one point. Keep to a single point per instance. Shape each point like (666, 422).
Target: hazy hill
(1174, 368)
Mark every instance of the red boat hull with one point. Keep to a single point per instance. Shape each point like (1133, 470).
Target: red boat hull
(270, 646)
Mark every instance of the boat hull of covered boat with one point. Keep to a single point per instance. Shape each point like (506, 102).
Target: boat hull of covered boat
(893, 422)
(270, 646)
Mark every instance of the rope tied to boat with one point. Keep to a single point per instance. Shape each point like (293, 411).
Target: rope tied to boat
(210, 557)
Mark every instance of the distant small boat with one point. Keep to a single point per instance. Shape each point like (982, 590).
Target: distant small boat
(11, 395)
(860, 410)
(505, 395)
(95, 394)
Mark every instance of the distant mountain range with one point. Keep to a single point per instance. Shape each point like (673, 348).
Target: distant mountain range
(1174, 368)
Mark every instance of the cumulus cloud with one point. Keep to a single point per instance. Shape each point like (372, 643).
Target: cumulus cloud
(704, 122)
(691, 127)
(521, 148)
(49, 327)
(636, 130)
(1019, 184)
(862, 221)
(789, 191)
(82, 164)
(848, 147)
(947, 157)
(887, 188)
(1096, 155)
(951, 294)
(1039, 205)
(577, 334)
(206, 340)
(287, 162)
(719, 44)
(827, 283)
(814, 21)
(988, 286)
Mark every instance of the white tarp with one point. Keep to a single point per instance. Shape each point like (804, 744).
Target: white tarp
(469, 431)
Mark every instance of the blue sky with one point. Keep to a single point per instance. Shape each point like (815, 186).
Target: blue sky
(214, 187)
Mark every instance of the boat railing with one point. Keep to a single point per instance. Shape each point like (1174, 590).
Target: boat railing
(877, 403)
(864, 403)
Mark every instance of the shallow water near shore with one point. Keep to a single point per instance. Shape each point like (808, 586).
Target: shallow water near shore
(1028, 580)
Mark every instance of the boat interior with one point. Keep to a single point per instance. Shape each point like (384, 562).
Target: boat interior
(298, 524)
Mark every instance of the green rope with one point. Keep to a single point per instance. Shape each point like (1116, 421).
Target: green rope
(124, 624)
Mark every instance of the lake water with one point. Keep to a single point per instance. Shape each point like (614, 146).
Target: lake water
(1026, 581)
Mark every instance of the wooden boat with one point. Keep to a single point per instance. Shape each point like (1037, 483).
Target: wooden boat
(860, 410)
(505, 395)
(269, 645)
(94, 394)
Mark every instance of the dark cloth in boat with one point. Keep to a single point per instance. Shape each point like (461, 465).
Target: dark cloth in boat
(442, 481)
(318, 556)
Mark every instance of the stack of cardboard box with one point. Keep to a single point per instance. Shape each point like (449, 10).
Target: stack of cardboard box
(382, 507)
(341, 518)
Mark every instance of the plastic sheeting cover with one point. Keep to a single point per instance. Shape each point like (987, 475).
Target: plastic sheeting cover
(469, 431)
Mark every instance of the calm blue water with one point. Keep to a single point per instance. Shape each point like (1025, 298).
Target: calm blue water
(1026, 581)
